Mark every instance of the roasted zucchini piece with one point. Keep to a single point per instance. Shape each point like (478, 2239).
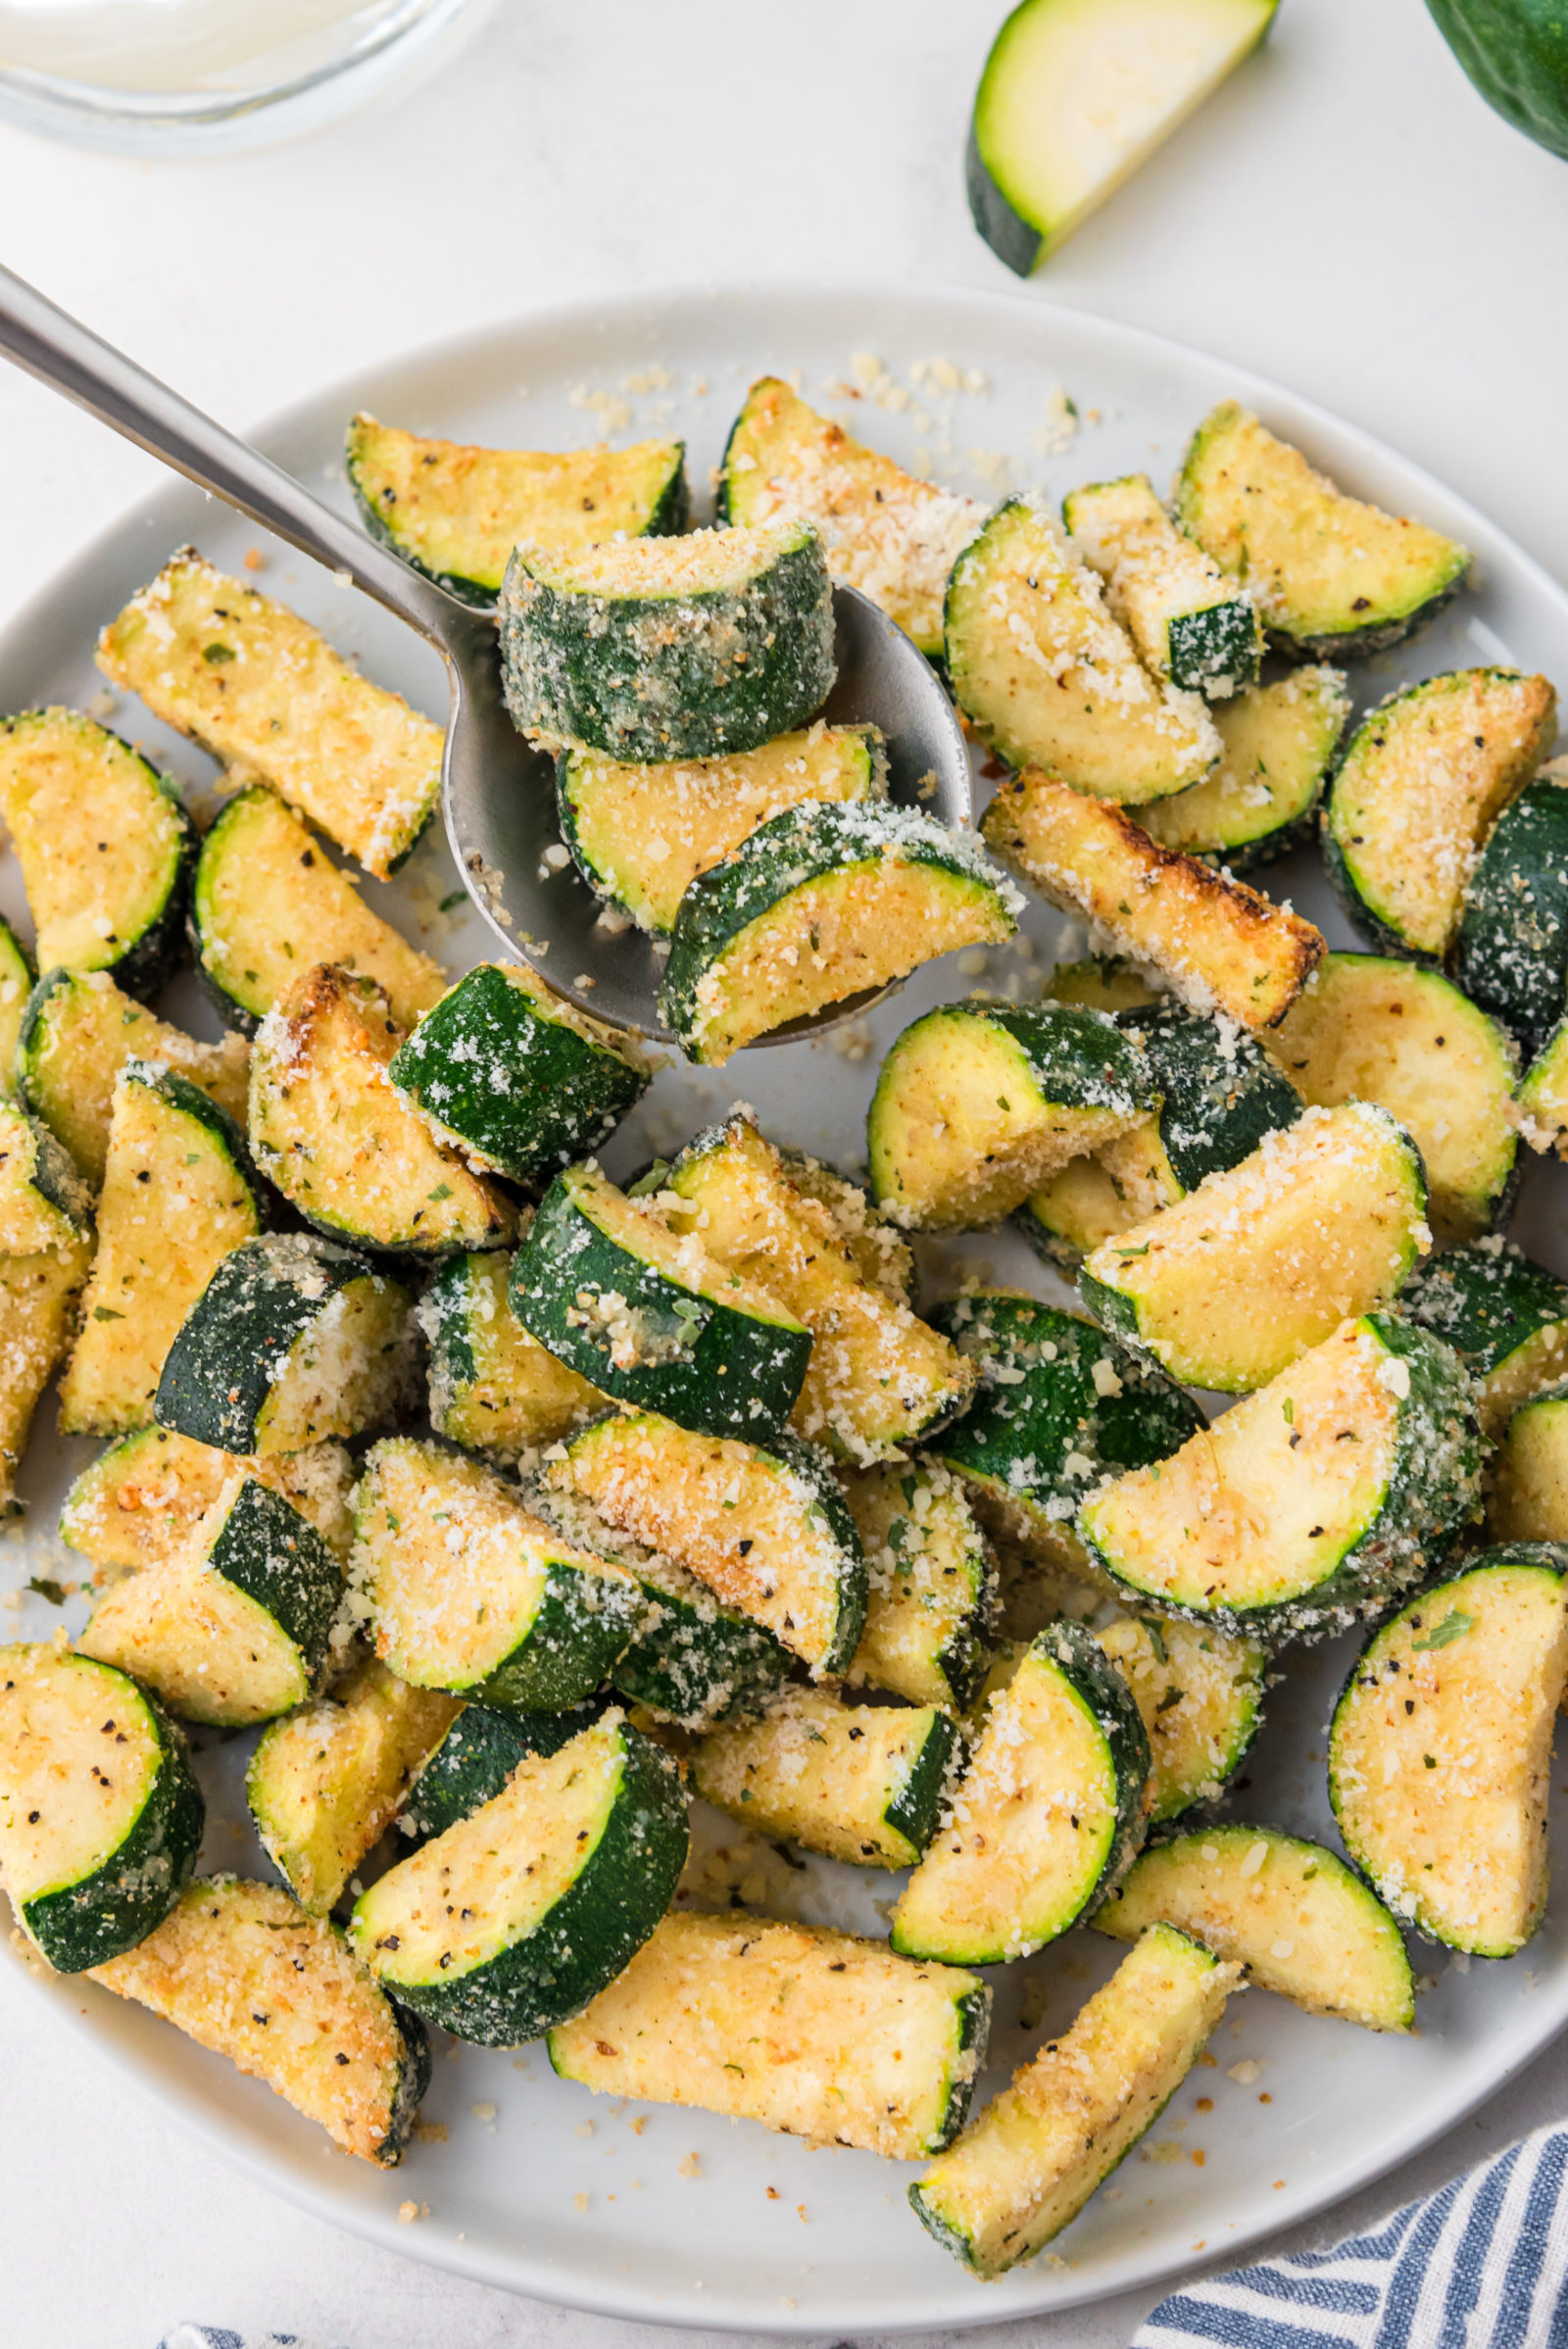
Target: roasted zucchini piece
(456, 513)
(1506, 1316)
(141, 1499)
(932, 1584)
(266, 694)
(1201, 1696)
(1424, 778)
(340, 1143)
(1529, 1497)
(291, 1341)
(563, 1877)
(44, 1202)
(1314, 1500)
(100, 1813)
(1024, 2170)
(1277, 745)
(17, 980)
(267, 904)
(1334, 578)
(1218, 945)
(822, 903)
(473, 1762)
(1234, 1282)
(693, 1659)
(1104, 983)
(863, 1783)
(1511, 954)
(37, 1322)
(1542, 1101)
(242, 1969)
(809, 2031)
(1439, 1750)
(1191, 625)
(494, 1389)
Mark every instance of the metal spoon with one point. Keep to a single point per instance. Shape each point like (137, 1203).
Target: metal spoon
(498, 794)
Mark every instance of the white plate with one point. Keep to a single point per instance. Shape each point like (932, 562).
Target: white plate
(569, 2198)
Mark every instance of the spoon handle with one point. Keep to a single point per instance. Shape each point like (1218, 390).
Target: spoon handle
(46, 342)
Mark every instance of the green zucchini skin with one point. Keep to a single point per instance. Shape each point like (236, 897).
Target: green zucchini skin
(1219, 1090)
(1516, 54)
(18, 978)
(1512, 951)
(474, 1760)
(1015, 242)
(277, 1558)
(1484, 1301)
(698, 1660)
(575, 1641)
(916, 1809)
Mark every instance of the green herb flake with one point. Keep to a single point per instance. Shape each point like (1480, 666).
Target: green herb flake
(216, 655)
(1453, 1627)
(441, 1191)
(1156, 1639)
(1126, 1252)
(54, 1592)
(453, 897)
(1289, 1409)
(106, 1314)
(1170, 1698)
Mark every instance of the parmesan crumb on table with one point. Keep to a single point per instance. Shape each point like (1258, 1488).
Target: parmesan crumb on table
(689, 2165)
(408, 2212)
(1247, 2072)
(580, 2202)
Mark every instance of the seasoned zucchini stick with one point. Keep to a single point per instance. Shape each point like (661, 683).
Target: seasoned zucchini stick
(1528, 1498)
(141, 1499)
(472, 1763)
(1511, 954)
(44, 1202)
(863, 1783)
(1191, 625)
(1277, 745)
(1541, 1103)
(931, 1583)
(1199, 1693)
(1506, 1316)
(37, 1321)
(493, 1388)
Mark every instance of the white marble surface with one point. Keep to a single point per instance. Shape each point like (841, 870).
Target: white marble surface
(1345, 216)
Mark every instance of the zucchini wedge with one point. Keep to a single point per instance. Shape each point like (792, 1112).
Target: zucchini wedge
(456, 513)
(1373, 1029)
(37, 1323)
(514, 1078)
(878, 1379)
(821, 903)
(932, 1584)
(1290, 1913)
(264, 692)
(292, 1341)
(1439, 1750)
(1191, 625)
(1217, 945)
(1424, 778)
(695, 1660)
(493, 1388)
(1045, 1818)
(463, 1588)
(977, 1105)
(1529, 1497)
(472, 1763)
(1334, 578)
(763, 1527)
(100, 1813)
(44, 1202)
(883, 531)
(267, 904)
(1504, 1315)
(1024, 2170)
(237, 1626)
(814, 2033)
(16, 981)
(1314, 1500)
(325, 1783)
(862, 1783)
(561, 1878)
(242, 1969)
(78, 1032)
(142, 1498)
(1049, 679)
(105, 845)
(669, 648)
(180, 1193)
(653, 1319)
(1541, 1103)
(1233, 1283)
(1511, 954)
(340, 1143)
(1278, 744)
(1200, 1696)
(640, 835)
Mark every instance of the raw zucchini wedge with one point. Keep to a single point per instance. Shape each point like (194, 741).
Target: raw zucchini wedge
(561, 1878)
(37, 1322)
(822, 903)
(669, 648)
(456, 513)
(1227, 1287)
(264, 692)
(977, 1105)
(338, 1140)
(78, 1032)
(16, 981)
(236, 1627)
(1024, 2170)
(325, 1783)
(1045, 1818)
(267, 904)
(1201, 1696)
(932, 1584)
(100, 1813)
(640, 835)
(1217, 945)
(105, 846)
(1529, 1497)
(1511, 954)
(44, 1202)
(1314, 1500)
(1542, 1101)
(292, 1341)
(463, 1588)
(1373, 1029)
(764, 1527)
(1334, 578)
(814, 2033)
(878, 1379)
(1278, 743)
(1061, 1406)
(1424, 778)
(142, 1498)
(651, 1319)
(242, 1969)
(514, 1078)
(1504, 1315)
(1049, 679)
(180, 1193)
(493, 1388)
(883, 531)
(1290, 1913)
(1191, 625)
(863, 1783)
(1439, 1750)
